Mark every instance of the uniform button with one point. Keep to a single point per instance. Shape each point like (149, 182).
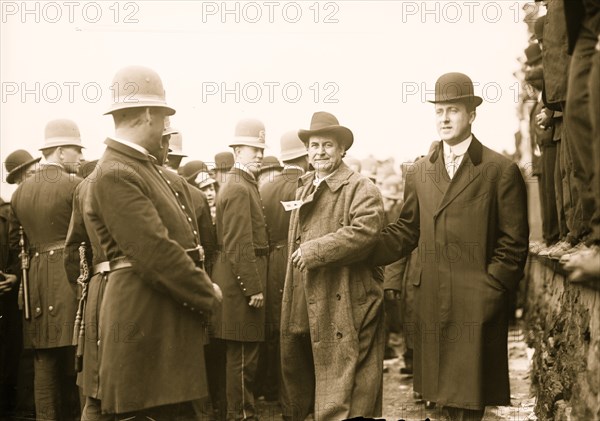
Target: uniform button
(244, 289)
(195, 232)
(192, 309)
(168, 182)
(176, 194)
(37, 254)
(51, 252)
(238, 277)
(183, 207)
(98, 343)
(50, 308)
(339, 335)
(281, 291)
(189, 219)
(160, 172)
(338, 296)
(38, 310)
(185, 304)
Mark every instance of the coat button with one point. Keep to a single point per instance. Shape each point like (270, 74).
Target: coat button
(37, 254)
(38, 310)
(195, 232)
(50, 308)
(339, 335)
(185, 304)
(51, 252)
(338, 296)
(98, 343)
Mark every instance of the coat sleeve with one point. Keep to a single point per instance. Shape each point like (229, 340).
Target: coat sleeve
(510, 251)
(75, 236)
(205, 228)
(400, 238)
(132, 220)
(353, 242)
(238, 245)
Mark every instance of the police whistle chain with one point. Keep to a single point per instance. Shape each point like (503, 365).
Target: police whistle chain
(79, 327)
(24, 256)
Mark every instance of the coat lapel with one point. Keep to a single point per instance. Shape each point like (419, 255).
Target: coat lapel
(467, 172)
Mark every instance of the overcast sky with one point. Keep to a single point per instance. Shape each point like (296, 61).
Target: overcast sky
(371, 63)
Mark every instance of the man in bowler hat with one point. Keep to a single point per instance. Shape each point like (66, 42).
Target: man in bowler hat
(465, 207)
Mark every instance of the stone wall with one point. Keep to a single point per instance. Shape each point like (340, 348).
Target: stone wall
(563, 323)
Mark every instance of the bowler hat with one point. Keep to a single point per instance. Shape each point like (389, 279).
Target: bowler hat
(190, 170)
(61, 132)
(138, 86)
(325, 123)
(249, 132)
(16, 162)
(270, 163)
(534, 54)
(455, 87)
(291, 146)
(224, 161)
(169, 130)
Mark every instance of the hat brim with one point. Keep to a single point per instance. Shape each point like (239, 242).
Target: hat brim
(477, 101)
(65, 142)
(270, 167)
(124, 106)
(10, 178)
(257, 144)
(342, 134)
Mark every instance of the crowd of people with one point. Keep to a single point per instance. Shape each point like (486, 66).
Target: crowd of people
(135, 287)
(563, 70)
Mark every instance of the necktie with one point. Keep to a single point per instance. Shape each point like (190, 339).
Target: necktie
(452, 164)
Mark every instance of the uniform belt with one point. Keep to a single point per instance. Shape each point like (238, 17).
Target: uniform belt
(101, 267)
(277, 245)
(258, 251)
(45, 248)
(120, 263)
(196, 254)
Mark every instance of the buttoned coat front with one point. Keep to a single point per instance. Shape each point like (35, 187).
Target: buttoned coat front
(241, 231)
(152, 317)
(472, 237)
(42, 204)
(336, 227)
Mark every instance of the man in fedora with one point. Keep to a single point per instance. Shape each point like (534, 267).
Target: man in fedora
(278, 188)
(332, 322)
(42, 206)
(157, 298)
(240, 268)
(465, 207)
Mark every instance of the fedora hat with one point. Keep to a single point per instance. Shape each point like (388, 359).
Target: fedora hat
(325, 123)
(455, 87)
(16, 162)
(61, 132)
(291, 146)
(249, 132)
(138, 86)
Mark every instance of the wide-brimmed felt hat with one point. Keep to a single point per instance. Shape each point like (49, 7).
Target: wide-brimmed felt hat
(456, 87)
(249, 132)
(16, 162)
(324, 123)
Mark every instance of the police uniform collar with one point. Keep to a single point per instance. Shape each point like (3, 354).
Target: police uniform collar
(127, 148)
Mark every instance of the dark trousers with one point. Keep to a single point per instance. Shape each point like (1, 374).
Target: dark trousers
(570, 188)
(595, 116)
(267, 384)
(215, 357)
(550, 231)
(178, 412)
(301, 384)
(242, 362)
(55, 392)
(578, 123)
(559, 194)
(11, 344)
(463, 414)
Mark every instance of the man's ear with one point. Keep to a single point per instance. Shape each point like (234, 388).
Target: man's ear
(472, 116)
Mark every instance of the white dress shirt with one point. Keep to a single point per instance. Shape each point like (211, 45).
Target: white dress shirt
(453, 155)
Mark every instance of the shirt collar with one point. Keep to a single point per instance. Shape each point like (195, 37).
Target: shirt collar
(459, 149)
(318, 180)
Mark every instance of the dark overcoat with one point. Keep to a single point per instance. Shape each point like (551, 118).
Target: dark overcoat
(153, 313)
(42, 204)
(282, 187)
(336, 228)
(472, 237)
(241, 235)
